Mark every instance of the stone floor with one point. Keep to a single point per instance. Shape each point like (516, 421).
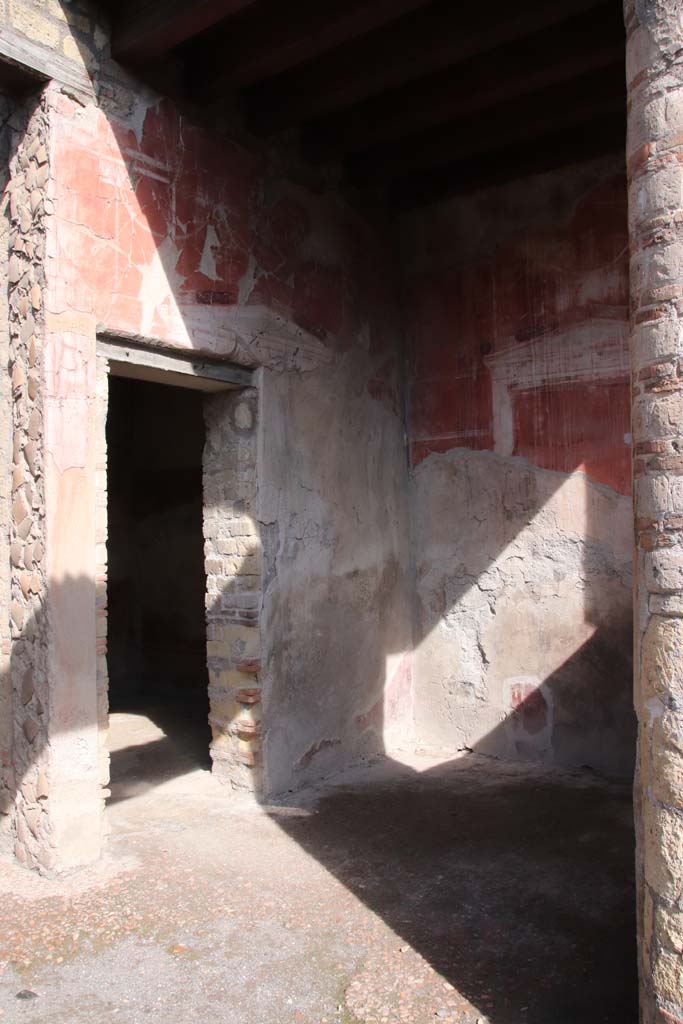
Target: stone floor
(462, 892)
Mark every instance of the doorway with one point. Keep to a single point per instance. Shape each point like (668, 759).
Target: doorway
(158, 678)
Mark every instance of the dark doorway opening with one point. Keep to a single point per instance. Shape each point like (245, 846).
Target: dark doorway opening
(158, 689)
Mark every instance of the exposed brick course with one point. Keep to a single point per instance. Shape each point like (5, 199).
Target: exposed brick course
(233, 570)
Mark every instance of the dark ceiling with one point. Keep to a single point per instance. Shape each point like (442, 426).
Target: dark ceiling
(413, 98)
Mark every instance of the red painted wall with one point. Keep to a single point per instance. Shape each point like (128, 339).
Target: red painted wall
(517, 325)
(165, 232)
(157, 219)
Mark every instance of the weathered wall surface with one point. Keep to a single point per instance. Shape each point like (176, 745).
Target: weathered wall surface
(166, 233)
(344, 684)
(520, 453)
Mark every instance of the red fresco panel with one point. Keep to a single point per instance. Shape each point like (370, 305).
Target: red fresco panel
(530, 286)
(577, 427)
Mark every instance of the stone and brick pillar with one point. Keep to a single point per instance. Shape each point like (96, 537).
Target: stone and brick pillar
(56, 790)
(655, 170)
(234, 584)
(26, 190)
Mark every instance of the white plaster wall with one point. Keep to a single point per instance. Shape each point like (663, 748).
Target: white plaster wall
(336, 626)
(523, 645)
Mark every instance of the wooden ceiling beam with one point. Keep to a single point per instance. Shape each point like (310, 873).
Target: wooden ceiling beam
(555, 55)
(603, 136)
(24, 62)
(146, 29)
(570, 104)
(276, 37)
(437, 37)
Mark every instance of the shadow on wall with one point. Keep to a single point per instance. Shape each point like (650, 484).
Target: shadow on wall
(413, 853)
(523, 594)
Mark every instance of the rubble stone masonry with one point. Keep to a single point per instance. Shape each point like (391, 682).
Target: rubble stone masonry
(28, 209)
(6, 722)
(655, 168)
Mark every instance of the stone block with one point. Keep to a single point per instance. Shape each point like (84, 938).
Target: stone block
(35, 425)
(17, 553)
(667, 776)
(667, 604)
(663, 570)
(28, 791)
(31, 729)
(21, 507)
(27, 687)
(17, 613)
(228, 678)
(244, 641)
(658, 415)
(218, 649)
(242, 528)
(667, 976)
(661, 841)
(213, 567)
(662, 658)
(658, 193)
(667, 731)
(669, 928)
(221, 736)
(224, 706)
(31, 456)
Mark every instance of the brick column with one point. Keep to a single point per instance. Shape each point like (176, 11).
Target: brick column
(655, 168)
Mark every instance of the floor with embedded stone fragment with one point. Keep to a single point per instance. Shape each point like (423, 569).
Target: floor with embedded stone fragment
(404, 893)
